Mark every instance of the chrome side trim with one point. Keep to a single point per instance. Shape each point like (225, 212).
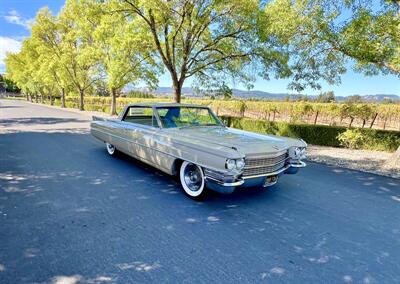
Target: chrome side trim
(301, 164)
(159, 151)
(236, 183)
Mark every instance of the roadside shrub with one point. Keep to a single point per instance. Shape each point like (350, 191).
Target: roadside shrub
(333, 136)
(352, 138)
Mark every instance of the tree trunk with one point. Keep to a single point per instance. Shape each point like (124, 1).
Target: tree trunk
(373, 120)
(178, 91)
(113, 101)
(384, 123)
(81, 103)
(273, 118)
(36, 98)
(351, 121)
(363, 123)
(51, 100)
(62, 97)
(316, 118)
(27, 97)
(41, 98)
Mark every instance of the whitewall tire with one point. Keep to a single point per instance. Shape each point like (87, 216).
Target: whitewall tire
(111, 150)
(192, 180)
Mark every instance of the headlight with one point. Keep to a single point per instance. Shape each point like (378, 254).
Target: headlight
(230, 164)
(235, 164)
(240, 164)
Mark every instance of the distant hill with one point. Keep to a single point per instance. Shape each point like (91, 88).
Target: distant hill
(378, 97)
(188, 92)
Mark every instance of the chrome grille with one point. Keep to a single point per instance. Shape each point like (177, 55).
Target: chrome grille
(260, 166)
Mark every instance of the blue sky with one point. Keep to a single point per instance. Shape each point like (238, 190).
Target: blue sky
(15, 16)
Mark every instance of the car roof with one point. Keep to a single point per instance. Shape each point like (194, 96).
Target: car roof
(164, 104)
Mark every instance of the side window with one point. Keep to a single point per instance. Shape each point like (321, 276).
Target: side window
(141, 115)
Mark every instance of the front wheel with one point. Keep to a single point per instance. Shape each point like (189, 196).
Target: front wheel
(192, 180)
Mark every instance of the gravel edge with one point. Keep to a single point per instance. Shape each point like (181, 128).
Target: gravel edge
(376, 162)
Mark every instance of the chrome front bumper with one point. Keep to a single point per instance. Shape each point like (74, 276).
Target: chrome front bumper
(227, 183)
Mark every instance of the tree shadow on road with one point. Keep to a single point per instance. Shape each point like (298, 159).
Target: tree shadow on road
(67, 207)
(37, 120)
(1, 106)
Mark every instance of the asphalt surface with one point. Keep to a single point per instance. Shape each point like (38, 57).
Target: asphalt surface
(69, 213)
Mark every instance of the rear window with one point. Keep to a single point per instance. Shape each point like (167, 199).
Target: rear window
(140, 115)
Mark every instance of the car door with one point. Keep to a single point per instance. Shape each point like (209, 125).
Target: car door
(139, 127)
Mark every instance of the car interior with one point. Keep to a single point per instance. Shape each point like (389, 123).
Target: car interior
(140, 115)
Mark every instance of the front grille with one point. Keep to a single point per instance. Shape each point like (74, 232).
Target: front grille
(261, 166)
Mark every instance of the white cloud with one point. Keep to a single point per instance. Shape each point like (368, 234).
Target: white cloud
(7, 44)
(13, 17)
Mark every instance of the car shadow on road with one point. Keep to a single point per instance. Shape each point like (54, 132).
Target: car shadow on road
(37, 120)
(1, 106)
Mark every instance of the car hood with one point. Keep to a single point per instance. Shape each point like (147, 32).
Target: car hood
(246, 143)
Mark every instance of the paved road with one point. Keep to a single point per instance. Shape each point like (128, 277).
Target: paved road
(69, 213)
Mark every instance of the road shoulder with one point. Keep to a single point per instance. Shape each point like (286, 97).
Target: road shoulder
(376, 162)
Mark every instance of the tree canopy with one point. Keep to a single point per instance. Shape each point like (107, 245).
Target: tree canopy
(92, 45)
(321, 36)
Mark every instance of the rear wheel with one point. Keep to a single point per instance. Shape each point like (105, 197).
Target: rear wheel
(111, 149)
(192, 180)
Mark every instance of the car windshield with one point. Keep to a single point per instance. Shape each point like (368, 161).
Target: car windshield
(186, 117)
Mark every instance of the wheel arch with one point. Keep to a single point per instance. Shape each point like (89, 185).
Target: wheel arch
(176, 166)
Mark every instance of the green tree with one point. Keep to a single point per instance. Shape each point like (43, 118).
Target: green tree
(8, 85)
(78, 49)
(207, 40)
(47, 36)
(354, 99)
(224, 91)
(25, 69)
(326, 97)
(124, 52)
(319, 38)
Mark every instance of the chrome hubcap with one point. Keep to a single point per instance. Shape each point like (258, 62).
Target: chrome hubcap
(110, 148)
(192, 176)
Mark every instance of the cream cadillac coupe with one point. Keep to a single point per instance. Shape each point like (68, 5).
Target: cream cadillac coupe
(190, 141)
